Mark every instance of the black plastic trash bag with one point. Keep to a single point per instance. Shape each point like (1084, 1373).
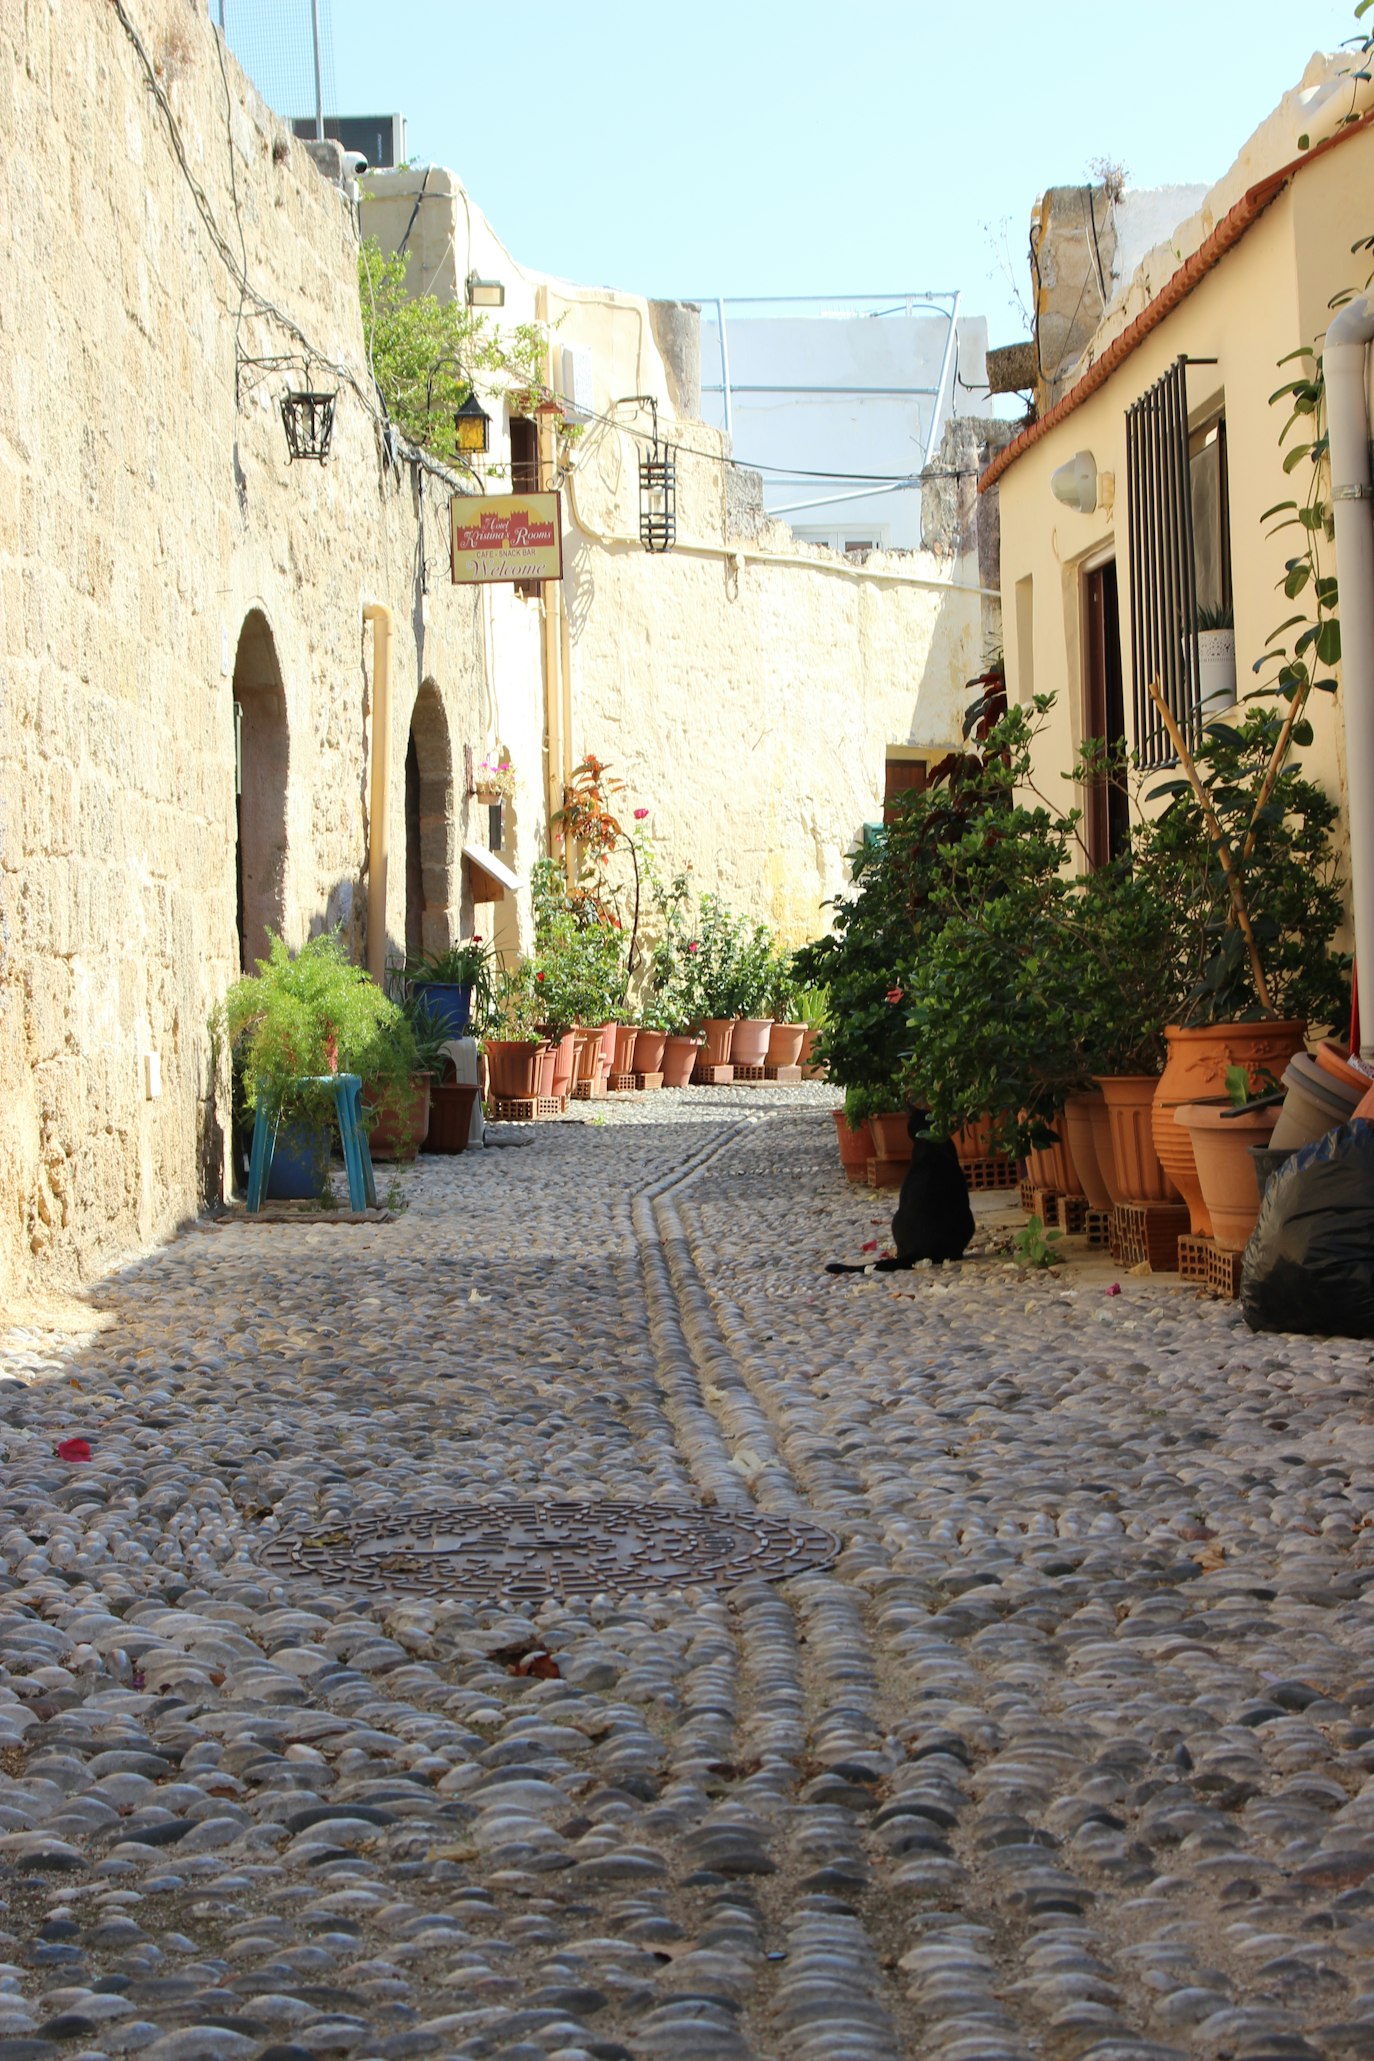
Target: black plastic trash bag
(1309, 1265)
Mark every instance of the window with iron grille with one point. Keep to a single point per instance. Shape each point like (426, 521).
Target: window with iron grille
(1165, 484)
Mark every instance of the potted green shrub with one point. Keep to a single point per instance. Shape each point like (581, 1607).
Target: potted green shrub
(511, 1043)
(397, 1089)
(300, 1018)
(454, 980)
(787, 1034)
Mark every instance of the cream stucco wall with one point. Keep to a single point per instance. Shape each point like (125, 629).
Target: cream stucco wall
(746, 684)
(1269, 295)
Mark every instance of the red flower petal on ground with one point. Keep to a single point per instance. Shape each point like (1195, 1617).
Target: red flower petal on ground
(73, 1449)
(869, 1245)
(1115, 1288)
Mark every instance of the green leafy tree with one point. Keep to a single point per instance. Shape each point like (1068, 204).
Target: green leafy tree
(428, 355)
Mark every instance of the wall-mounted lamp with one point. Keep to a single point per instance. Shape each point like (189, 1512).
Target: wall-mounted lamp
(1075, 484)
(472, 426)
(309, 423)
(485, 293)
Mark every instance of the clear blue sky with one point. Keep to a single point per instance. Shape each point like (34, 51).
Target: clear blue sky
(785, 146)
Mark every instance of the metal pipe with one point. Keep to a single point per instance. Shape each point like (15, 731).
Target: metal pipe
(725, 369)
(1352, 499)
(881, 392)
(319, 81)
(946, 377)
(855, 494)
(379, 808)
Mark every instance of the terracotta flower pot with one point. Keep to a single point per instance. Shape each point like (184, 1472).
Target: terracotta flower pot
(891, 1138)
(785, 1042)
(718, 1030)
(1315, 1103)
(1222, 1138)
(544, 1076)
(1196, 1070)
(586, 1055)
(402, 1120)
(749, 1041)
(1099, 1117)
(1332, 1060)
(512, 1069)
(609, 1033)
(679, 1057)
(564, 1061)
(1080, 1135)
(856, 1147)
(1051, 1166)
(974, 1141)
(626, 1038)
(450, 1116)
(648, 1052)
(1130, 1106)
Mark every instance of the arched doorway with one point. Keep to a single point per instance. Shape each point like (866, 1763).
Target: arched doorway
(430, 827)
(261, 759)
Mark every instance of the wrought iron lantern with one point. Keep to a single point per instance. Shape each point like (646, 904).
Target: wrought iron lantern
(472, 427)
(658, 493)
(308, 419)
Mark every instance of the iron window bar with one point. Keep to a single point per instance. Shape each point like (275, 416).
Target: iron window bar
(1162, 565)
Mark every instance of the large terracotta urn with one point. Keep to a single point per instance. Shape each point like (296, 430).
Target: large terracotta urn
(1080, 1135)
(1130, 1100)
(1196, 1072)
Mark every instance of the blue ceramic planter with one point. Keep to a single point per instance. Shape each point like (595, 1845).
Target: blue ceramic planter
(300, 1163)
(450, 1004)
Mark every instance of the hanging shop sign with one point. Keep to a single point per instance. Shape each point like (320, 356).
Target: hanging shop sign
(506, 537)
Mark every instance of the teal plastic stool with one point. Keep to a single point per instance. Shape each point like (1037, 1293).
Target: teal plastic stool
(347, 1090)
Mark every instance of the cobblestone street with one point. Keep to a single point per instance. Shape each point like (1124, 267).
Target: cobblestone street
(1068, 1755)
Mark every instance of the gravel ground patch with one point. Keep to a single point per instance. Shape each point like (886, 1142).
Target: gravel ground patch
(1068, 1754)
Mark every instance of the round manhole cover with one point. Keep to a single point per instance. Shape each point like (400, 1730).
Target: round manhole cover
(536, 1549)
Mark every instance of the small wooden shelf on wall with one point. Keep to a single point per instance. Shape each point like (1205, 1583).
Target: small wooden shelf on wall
(489, 876)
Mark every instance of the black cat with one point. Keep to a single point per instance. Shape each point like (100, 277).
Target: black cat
(932, 1220)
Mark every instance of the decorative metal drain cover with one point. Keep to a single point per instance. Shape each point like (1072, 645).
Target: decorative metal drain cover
(536, 1549)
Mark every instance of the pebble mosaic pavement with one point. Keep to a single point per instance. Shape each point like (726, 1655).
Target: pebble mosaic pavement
(1070, 1753)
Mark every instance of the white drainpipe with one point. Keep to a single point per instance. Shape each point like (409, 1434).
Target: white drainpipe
(1347, 414)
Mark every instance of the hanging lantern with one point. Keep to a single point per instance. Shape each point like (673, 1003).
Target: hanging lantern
(308, 419)
(658, 494)
(472, 427)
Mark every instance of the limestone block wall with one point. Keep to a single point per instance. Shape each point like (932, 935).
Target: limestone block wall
(147, 513)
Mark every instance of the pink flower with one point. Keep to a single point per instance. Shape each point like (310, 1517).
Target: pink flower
(640, 814)
(894, 994)
(694, 946)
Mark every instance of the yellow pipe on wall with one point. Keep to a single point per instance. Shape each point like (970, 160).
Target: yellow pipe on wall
(378, 824)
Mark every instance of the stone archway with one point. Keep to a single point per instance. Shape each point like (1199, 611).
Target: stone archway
(262, 760)
(430, 827)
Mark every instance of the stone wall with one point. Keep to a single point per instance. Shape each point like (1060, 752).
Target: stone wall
(146, 517)
(176, 262)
